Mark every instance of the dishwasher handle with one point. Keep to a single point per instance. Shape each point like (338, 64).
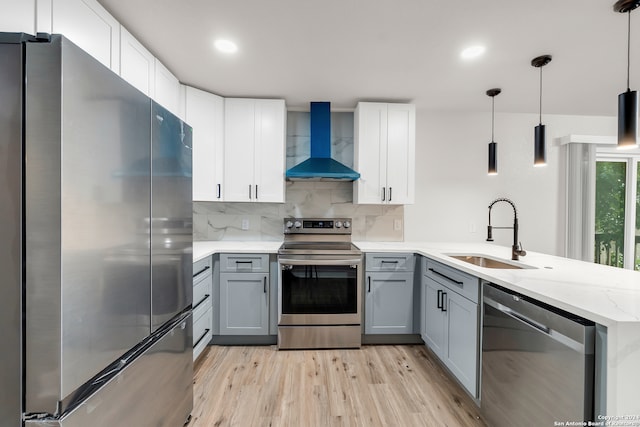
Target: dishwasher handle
(521, 317)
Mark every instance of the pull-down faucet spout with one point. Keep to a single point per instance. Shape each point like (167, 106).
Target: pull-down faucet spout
(516, 249)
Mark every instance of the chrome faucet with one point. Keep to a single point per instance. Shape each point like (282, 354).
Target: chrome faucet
(516, 249)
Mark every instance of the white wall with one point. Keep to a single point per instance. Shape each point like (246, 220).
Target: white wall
(453, 190)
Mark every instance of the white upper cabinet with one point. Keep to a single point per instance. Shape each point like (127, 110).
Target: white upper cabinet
(167, 88)
(384, 153)
(137, 64)
(88, 25)
(204, 112)
(254, 150)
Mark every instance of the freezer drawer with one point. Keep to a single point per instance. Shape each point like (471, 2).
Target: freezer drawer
(537, 364)
(160, 378)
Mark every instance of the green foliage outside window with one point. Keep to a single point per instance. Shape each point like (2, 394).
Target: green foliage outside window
(610, 204)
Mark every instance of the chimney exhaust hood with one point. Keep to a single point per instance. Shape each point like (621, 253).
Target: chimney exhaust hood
(320, 166)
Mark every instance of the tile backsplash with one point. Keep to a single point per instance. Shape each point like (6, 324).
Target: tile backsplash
(264, 221)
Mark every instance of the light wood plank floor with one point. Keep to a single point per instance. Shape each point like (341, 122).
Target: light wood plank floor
(373, 386)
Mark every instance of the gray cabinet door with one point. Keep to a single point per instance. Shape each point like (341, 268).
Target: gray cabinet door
(389, 303)
(244, 304)
(462, 340)
(435, 333)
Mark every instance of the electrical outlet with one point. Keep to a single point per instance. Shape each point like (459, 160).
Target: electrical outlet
(245, 223)
(397, 224)
(472, 227)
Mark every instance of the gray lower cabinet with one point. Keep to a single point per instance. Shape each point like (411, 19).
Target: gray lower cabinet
(244, 303)
(451, 321)
(388, 289)
(202, 305)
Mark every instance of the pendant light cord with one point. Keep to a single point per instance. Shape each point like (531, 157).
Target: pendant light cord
(628, 51)
(540, 95)
(493, 103)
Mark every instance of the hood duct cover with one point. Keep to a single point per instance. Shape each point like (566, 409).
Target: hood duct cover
(320, 166)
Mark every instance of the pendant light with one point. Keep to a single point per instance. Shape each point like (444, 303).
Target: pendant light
(493, 146)
(539, 148)
(627, 101)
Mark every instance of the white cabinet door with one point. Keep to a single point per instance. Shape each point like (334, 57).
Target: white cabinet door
(384, 153)
(205, 114)
(400, 174)
(167, 88)
(239, 134)
(270, 153)
(91, 27)
(254, 145)
(462, 340)
(370, 130)
(18, 16)
(435, 334)
(137, 64)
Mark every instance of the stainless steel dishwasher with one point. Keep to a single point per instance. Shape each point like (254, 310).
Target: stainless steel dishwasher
(537, 362)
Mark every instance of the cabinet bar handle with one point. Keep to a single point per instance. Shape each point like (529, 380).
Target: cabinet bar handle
(383, 194)
(390, 189)
(206, 331)
(444, 296)
(219, 191)
(265, 285)
(206, 297)
(369, 278)
(390, 262)
(439, 303)
(244, 262)
(249, 191)
(256, 191)
(457, 282)
(201, 271)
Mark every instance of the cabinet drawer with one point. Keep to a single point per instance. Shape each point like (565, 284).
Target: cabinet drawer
(201, 269)
(389, 262)
(202, 290)
(202, 327)
(457, 281)
(201, 308)
(245, 263)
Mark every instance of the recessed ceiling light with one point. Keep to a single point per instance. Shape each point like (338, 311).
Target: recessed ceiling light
(472, 52)
(226, 46)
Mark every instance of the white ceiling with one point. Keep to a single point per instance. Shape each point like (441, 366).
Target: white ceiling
(344, 51)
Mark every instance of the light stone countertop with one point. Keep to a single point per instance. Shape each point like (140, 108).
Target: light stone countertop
(606, 295)
(204, 249)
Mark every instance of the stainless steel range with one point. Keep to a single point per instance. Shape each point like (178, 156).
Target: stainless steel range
(319, 285)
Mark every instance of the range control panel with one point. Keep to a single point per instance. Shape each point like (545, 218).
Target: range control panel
(317, 225)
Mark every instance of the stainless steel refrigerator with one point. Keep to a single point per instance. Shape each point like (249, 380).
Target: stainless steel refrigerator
(95, 245)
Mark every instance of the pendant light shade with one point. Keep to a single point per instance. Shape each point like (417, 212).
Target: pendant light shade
(628, 119)
(539, 137)
(539, 146)
(627, 101)
(493, 146)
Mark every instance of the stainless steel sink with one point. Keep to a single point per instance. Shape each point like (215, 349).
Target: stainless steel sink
(488, 262)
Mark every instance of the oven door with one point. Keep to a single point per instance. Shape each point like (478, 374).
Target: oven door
(320, 290)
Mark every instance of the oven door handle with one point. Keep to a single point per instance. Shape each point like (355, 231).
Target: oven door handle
(354, 262)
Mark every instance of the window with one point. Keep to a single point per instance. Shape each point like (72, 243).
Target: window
(617, 209)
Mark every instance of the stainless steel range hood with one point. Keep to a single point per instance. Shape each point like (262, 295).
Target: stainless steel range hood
(320, 166)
